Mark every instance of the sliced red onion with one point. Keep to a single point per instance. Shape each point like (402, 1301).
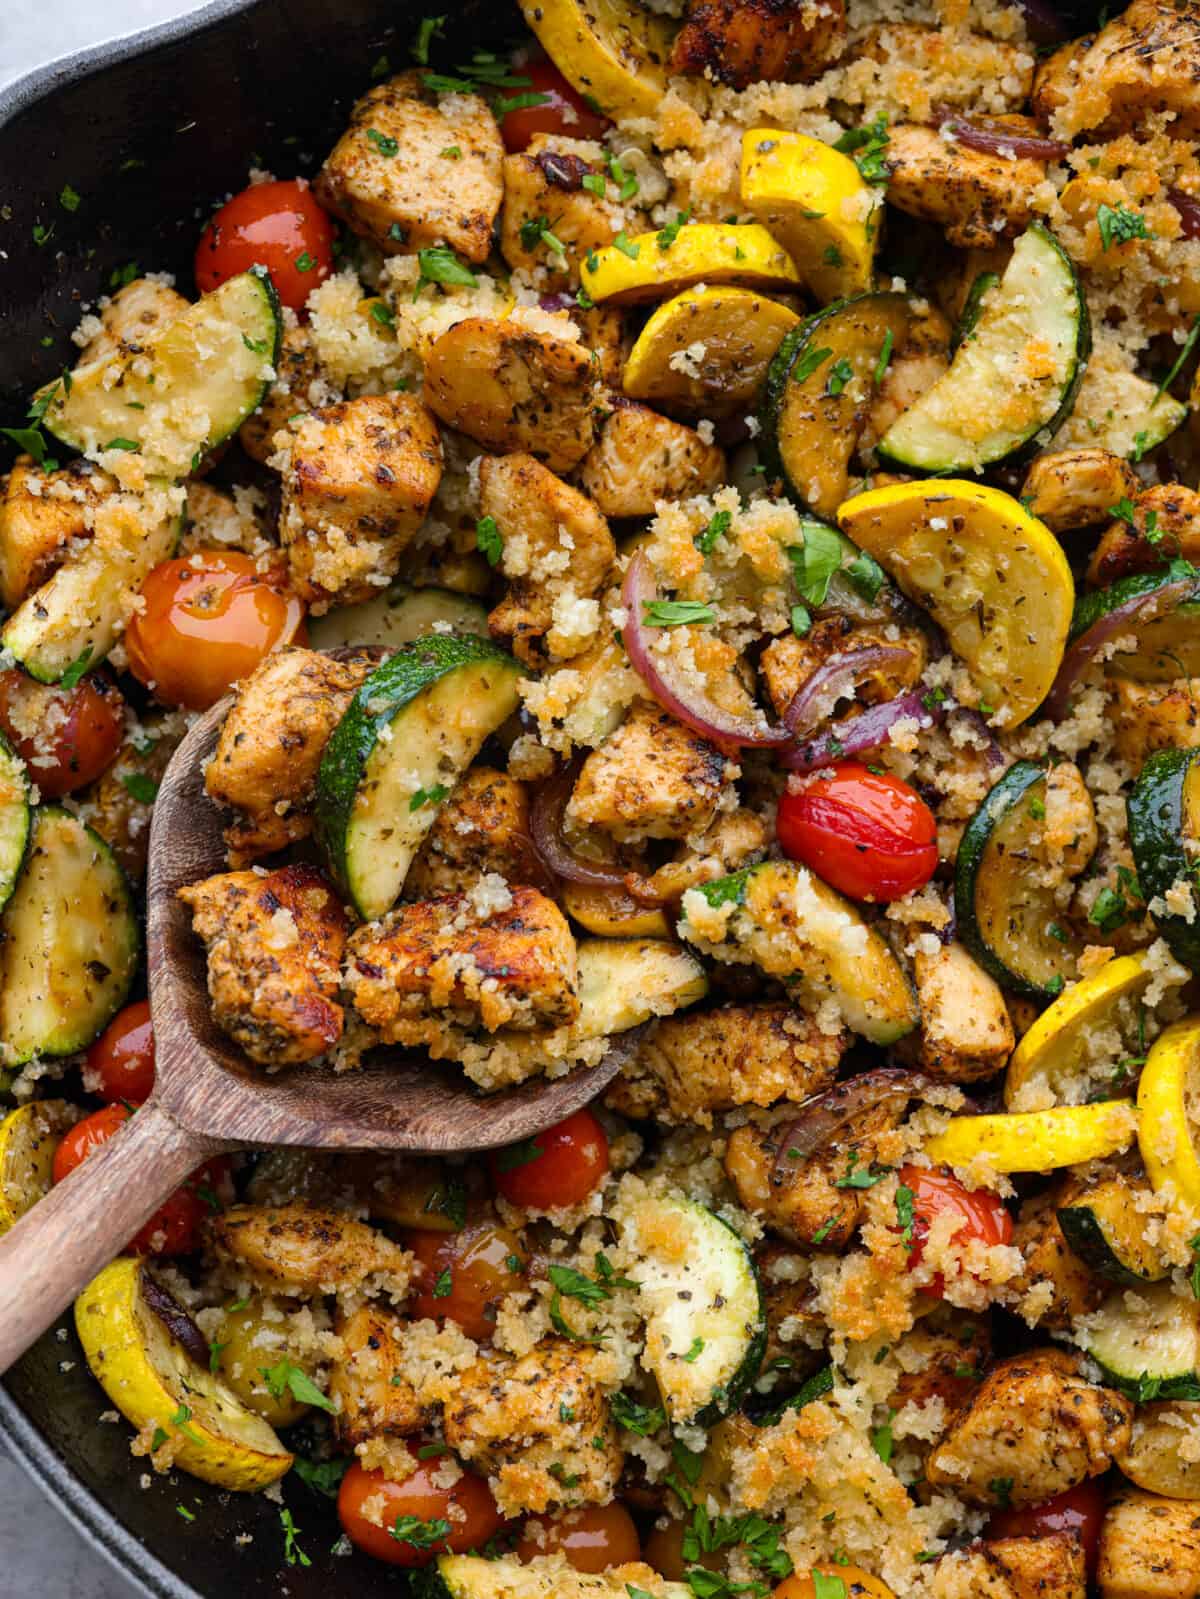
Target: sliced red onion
(1001, 141)
(174, 1318)
(829, 1117)
(836, 678)
(689, 705)
(1189, 213)
(859, 733)
(558, 302)
(965, 713)
(549, 845)
(1142, 608)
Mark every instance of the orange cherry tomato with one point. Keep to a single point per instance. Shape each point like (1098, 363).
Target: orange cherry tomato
(65, 736)
(856, 1583)
(276, 225)
(592, 1538)
(465, 1275)
(562, 111)
(208, 620)
(558, 1167)
(867, 833)
(120, 1064)
(936, 1193)
(1079, 1510)
(467, 1513)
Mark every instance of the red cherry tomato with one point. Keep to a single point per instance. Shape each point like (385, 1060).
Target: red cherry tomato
(564, 111)
(592, 1538)
(206, 626)
(465, 1275)
(868, 834)
(120, 1064)
(558, 1167)
(66, 737)
(937, 1193)
(1079, 1509)
(277, 225)
(467, 1507)
(174, 1227)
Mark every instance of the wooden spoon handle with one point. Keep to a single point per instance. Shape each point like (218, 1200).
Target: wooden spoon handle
(58, 1247)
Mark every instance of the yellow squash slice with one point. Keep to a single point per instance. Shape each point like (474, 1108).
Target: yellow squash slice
(706, 351)
(1037, 1140)
(153, 1381)
(654, 265)
(1165, 1129)
(993, 577)
(28, 1138)
(817, 204)
(611, 913)
(613, 51)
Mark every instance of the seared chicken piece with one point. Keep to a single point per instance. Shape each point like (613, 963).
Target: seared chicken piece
(1145, 61)
(751, 41)
(134, 313)
(943, 1356)
(366, 1383)
(358, 483)
(483, 826)
(1077, 488)
(118, 804)
(1056, 81)
(1166, 525)
(275, 947)
(511, 389)
(788, 662)
(307, 1250)
(299, 386)
(652, 778)
(1034, 1429)
(544, 185)
(215, 521)
(539, 1426)
(1149, 1547)
(40, 513)
(1053, 1566)
(440, 963)
(642, 457)
(556, 551)
(1049, 1259)
(1155, 716)
(796, 1330)
(966, 1031)
(266, 760)
(977, 197)
(390, 177)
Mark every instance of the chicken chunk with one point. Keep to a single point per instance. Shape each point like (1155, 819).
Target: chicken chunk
(1069, 834)
(652, 778)
(1077, 488)
(511, 389)
(439, 963)
(642, 457)
(307, 1250)
(943, 1359)
(1056, 81)
(119, 803)
(1166, 525)
(966, 1031)
(216, 521)
(40, 514)
(1069, 1288)
(556, 551)
(544, 190)
(366, 1382)
(299, 386)
(1053, 1566)
(974, 195)
(739, 1055)
(796, 1330)
(390, 178)
(359, 481)
(539, 1426)
(482, 827)
(266, 760)
(750, 41)
(1149, 1548)
(1145, 62)
(1155, 716)
(131, 316)
(909, 375)
(788, 662)
(275, 947)
(1034, 1429)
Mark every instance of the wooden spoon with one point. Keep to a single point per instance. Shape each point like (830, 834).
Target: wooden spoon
(209, 1098)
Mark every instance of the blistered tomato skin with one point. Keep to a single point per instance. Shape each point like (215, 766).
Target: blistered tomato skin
(1079, 1510)
(416, 1505)
(936, 1193)
(65, 736)
(120, 1064)
(563, 110)
(277, 225)
(592, 1538)
(558, 1167)
(464, 1275)
(868, 834)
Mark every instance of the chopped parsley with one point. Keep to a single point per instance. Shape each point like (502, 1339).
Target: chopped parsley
(885, 356)
(881, 1440)
(677, 613)
(801, 620)
(666, 237)
(444, 1286)
(626, 181)
(131, 446)
(1001, 1489)
(840, 373)
(826, 1227)
(1141, 443)
(866, 575)
(449, 1199)
(808, 364)
(1194, 1279)
(535, 231)
(451, 153)
(418, 1533)
(383, 142)
(1123, 510)
(694, 1353)
(76, 670)
(626, 245)
(815, 561)
(1189, 345)
(637, 1418)
(439, 264)
(1118, 225)
(69, 198)
(522, 102)
(428, 796)
(856, 1176)
(576, 1286)
(867, 147)
(1037, 809)
(322, 1476)
(517, 1155)
(904, 1211)
(381, 312)
(285, 1377)
(488, 539)
(706, 539)
(428, 29)
(304, 262)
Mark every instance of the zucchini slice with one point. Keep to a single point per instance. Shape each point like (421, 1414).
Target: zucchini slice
(190, 386)
(399, 616)
(817, 392)
(29, 1136)
(1119, 411)
(70, 941)
(410, 732)
(706, 1325)
(781, 918)
(1148, 1343)
(972, 309)
(1007, 916)
(623, 982)
(1012, 379)
(14, 819)
(472, 1577)
(1107, 1231)
(1164, 833)
(1168, 646)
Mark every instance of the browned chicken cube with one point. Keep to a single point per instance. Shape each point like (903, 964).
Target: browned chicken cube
(750, 41)
(1055, 1287)
(1155, 716)
(452, 961)
(1077, 488)
(299, 386)
(308, 1250)
(390, 177)
(366, 1381)
(796, 1331)
(275, 946)
(1165, 526)
(1149, 1547)
(544, 185)
(966, 1031)
(1053, 1566)
(482, 827)
(40, 513)
(976, 196)
(1146, 61)
(788, 662)
(943, 1359)
(131, 316)
(357, 486)
(642, 457)
(118, 805)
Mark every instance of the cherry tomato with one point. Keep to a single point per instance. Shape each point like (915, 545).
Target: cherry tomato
(465, 1275)
(868, 833)
(277, 225)
(1079, 1509)
(936, 1193)
(120, 1064)
(474, 1520)
(564, 110)
(206, 626)
(174, 1227)
(592, 1538)
(66, 737)
(558, 1167)
(856, 1583)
